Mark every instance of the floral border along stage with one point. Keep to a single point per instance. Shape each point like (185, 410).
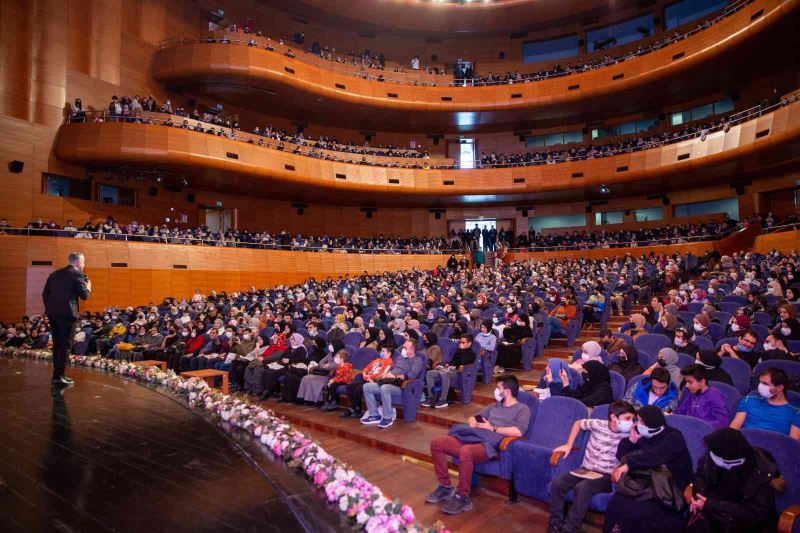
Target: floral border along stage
(362, 501)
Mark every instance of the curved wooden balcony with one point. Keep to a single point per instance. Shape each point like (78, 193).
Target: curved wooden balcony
(303, 83)
(766, 141)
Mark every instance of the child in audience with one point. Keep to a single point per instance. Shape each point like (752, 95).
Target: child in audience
(342, 374)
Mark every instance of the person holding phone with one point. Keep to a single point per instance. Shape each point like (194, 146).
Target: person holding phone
(60, 296)
(484, 431)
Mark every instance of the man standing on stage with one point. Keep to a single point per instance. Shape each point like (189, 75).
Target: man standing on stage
(60, 296)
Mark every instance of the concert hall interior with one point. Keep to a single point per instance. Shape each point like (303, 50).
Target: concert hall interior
(400, 265)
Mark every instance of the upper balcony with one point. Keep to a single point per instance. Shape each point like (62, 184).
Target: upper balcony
(755, 142)
(741, 45)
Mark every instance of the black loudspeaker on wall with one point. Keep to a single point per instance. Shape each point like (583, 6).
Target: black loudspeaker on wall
(15, 167)
(190, 198)
(152, 191)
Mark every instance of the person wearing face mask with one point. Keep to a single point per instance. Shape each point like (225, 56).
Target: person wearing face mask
(594, 475)
(445, 372)
(373, 372)
(340, 374)
(477, 442)
(712, 364)
(769, 409)
(593, 308)
(627, 363)
(651, 444)
(560, 316)
(667, 359)
(734, 487)
(701, 401)
(408, 366)
(296, 354)
(775, 348)
(509, 351)
(621, 291)
(682, 343)
(595, 387)
(371, 338)
(312, 385)
(746, 349)
(637, 329)
(700, 326)
(739, 323)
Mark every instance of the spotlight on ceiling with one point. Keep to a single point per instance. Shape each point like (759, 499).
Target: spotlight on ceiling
(604, 189)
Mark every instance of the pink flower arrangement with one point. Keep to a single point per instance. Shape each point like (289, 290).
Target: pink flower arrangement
(359, 499)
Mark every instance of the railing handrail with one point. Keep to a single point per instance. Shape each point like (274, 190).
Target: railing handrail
(781, 227)
(423, 163)
(647, 242)
(463, 82)
(224, 243)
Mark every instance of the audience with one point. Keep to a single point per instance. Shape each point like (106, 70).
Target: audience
(701, 400)
(769, 409)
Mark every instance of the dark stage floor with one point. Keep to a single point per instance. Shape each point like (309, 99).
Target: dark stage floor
(111, 455)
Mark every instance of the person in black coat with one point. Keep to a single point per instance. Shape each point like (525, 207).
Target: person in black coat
(596, 386)
(734, 489)
(60, 297)
(651, 444)
(712, 362)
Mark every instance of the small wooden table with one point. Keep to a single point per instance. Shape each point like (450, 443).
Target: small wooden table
(151, 362)
(208, 376)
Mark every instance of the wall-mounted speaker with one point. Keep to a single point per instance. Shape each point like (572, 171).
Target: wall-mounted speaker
(152, 191)
(190, 198)
(15, 167)
(665, 200)
(588, 208)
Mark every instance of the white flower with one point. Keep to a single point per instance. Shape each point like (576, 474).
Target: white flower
(362, 517)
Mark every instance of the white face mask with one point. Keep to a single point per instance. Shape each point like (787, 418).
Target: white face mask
(698, 327)
(624, 426)
(786, 331)
(246, 337)
(229, 334)
(680, 343)
(735, 326)
(498, 395)
(330, 348)
(764, 391)
(495, 320)
(403, 352)
(585, 356)
(647, 432)
(769, 345)
(725, 464)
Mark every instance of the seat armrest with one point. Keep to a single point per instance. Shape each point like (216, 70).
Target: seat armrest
(407, 382)
(506, 442)
(788, 518)
(687, 493)
(555, 457)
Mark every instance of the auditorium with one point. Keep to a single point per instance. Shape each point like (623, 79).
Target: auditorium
(400, 266)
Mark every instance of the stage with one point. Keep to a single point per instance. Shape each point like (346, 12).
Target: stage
(111, 455)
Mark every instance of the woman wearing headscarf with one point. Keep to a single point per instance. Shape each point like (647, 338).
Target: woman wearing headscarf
(340, 323)
(358, 325)
(627, 363)
(296, 354)
(590, 351)
(386, 338)
(312, 385)
(371, 339)
(774, 288)
(509, 352)
(739, 323)
(734, 487)
(595, 389)
(295, 375)
(712, 362)
(790, 329)
(637, 328)
(432, 349)
(440, 326)
(667, 359)
(701, 325)
(668, 324)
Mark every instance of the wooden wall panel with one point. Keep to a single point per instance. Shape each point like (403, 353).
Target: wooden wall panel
(786, 241)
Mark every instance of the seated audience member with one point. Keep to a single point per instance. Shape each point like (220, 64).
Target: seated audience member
(408, 366)
(668, 360)
(312, 385)
(609, 342)
(341, 374)
(683, 342)
(637, 328)
(509, 351)
(668, 324)
(590, 351)
(447, 372)
(769, 409)
(594, 475)
(241, 361)
(296, 354)
(627, 363)
(476, 443)
(775, 348)
(700, 326)
(651, 444)
(657, 390)
(594, 389)
(746, 349)
(734, 487)
(622, 289)
(712, 363)
(373, 372)
(294, 377)
(593, 307)
(701, 401)
(558, 319)
(485, 338)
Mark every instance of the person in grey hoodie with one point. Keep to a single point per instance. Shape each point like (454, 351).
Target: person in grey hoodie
(408, 366)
